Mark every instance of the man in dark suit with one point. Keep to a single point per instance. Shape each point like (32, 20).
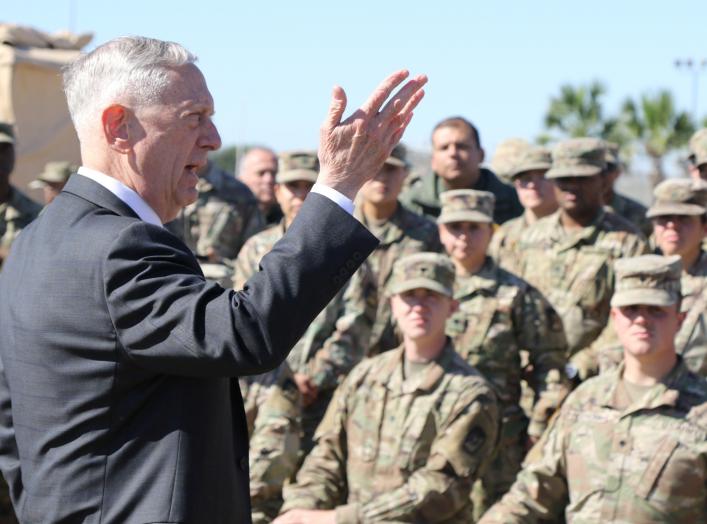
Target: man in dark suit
(116, 355)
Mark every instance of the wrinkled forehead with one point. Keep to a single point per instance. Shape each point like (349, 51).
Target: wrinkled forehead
(187, 88)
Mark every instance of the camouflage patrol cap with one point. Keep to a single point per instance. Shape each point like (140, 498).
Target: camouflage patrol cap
(297, 165)
(680, 196)
(466, 205)
(651, 280)
(506, 156)
(423, 270)
(398, 156)
(698, 147)
(534, 158)
(612, 154)
(578, 157)
(7, 134)
(54, 172)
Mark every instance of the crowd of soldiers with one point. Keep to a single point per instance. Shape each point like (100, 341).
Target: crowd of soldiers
(528, 347)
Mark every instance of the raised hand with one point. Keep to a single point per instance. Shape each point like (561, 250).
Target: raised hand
(353, 150)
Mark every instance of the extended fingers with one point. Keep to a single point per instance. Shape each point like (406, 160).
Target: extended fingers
(382, 92)
(406, 99)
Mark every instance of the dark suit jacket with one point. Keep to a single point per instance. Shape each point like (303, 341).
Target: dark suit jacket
(116, 404)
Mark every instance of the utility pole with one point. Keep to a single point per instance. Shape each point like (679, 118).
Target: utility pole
(696, 68)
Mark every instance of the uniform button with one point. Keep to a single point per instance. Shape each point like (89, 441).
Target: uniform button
(243, 463)
(622, 443)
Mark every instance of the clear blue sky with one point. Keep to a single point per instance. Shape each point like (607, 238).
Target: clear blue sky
(271, 65)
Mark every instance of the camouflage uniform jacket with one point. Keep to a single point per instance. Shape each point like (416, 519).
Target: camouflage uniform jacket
(574, 270)
(423, 196)
(504, 243)
(224, 215)
(365, 326)
(273, 413)
(15, 214)
(500, 314)
(605, 459)
(632, 211)
(691, 340)
(391, 449)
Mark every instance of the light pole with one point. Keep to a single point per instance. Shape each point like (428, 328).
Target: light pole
(696, 67)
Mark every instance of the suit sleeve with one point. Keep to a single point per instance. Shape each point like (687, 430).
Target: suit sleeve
(168, 319)
(9, 454)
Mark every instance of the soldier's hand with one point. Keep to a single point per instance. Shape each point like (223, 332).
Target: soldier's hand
(307, 388)
(352, 151)
(307, 516)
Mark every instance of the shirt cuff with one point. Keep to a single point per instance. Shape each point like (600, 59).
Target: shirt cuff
(332, 194)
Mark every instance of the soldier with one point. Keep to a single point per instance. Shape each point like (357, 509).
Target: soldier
(257, 170)
(568, 255)
(628, 446)
(223, 217)
(500, 314)
(16, 209)
(620, 204)
(456, 160)
(273, 412)
(680, 225)
(53, 179)
(506, 156)
(537, 197)
(697, 160)
(296, 175)
(408, 431)
(364, 325)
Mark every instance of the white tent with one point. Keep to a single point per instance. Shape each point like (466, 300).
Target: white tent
(32, 99)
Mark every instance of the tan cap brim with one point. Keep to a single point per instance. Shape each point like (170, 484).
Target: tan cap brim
(643, 297)
(417, 283)
(573, 171)
(529, 167)
(464, 216)
(674, 208)
(391, 160)
(296, 175)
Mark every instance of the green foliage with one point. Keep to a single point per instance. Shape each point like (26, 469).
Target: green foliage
(657, 126)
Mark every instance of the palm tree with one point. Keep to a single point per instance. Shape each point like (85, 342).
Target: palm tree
(657, 126)
(578, 111)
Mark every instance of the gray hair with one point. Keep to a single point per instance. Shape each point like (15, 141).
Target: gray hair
(129, 69)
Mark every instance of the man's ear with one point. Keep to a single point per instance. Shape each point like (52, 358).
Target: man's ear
(115, 121)
(482, 155)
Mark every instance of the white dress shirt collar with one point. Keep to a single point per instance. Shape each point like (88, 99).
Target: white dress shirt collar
(124, 193)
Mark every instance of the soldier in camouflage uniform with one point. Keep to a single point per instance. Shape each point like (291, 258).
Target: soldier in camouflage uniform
(273, 409)
(537, 196)
(569, 255)
(364, 326)
(622, 205)
(408, 431)
(222, 218)
(456, 164)
(16, 209)
(679, 221)
(629, 446)
(500, 314)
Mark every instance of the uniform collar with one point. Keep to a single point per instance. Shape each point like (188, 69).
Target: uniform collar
(664, 393)
(568, 240)
(486, 279)
(391, 374)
